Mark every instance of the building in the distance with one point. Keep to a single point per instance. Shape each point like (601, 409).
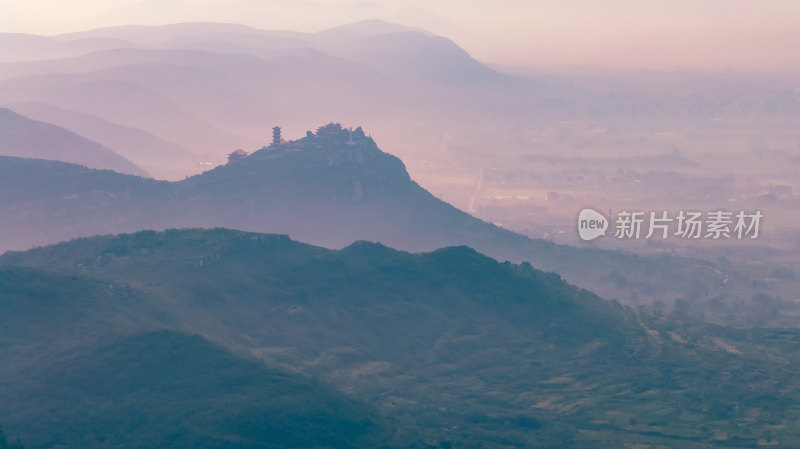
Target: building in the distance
(237, 155)
(276, 135)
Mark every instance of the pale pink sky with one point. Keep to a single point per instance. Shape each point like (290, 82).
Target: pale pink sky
(612, 34)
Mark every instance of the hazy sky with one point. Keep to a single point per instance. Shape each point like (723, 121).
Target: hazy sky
(649, 34)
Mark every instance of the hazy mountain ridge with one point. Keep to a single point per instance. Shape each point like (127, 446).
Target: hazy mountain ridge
(330, 188)
(236, 78)
(415, 59)
(30, 47)
(121, 101)
(162, 159)
(417, 90)
(508, 354)
(23, 137)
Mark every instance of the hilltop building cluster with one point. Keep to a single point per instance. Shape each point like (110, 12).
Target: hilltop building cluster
(338, 143)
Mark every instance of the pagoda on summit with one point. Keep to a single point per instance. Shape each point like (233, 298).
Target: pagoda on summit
(276, 136)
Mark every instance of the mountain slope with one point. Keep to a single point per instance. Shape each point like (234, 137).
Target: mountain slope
(235, 78)
(170, 263)
(158, 157)
(123, 102)
(418, 59)
(23, 137)
(29, 47)
(166, 389)
(453, 344)
(210, 103)
(323, 189)
(148, 35)
(359, 30)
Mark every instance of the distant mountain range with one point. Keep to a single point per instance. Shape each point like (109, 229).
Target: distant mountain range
(192, 92)
(163, 159)
(99, 338)
(23, 137)
(330, 188)
(211, 88)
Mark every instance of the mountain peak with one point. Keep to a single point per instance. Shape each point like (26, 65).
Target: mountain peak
(337, 165)
(362, 29)
(339, 144)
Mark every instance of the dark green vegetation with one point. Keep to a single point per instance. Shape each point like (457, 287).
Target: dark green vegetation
(164, 389)
(452, 349)
(84, 368)
(4, 444)
(329, 188)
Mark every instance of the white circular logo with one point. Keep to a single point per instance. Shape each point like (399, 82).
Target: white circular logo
(591, 224)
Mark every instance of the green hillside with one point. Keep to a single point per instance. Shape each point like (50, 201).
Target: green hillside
(450, 345)
(171, 390)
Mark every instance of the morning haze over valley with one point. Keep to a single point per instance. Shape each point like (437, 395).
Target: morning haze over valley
(399, 224)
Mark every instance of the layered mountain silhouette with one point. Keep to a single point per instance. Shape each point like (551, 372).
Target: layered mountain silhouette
(23, 137)
(451, 346)
(330, 188)
(211, 88)
(30, 47)
(159, 158)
